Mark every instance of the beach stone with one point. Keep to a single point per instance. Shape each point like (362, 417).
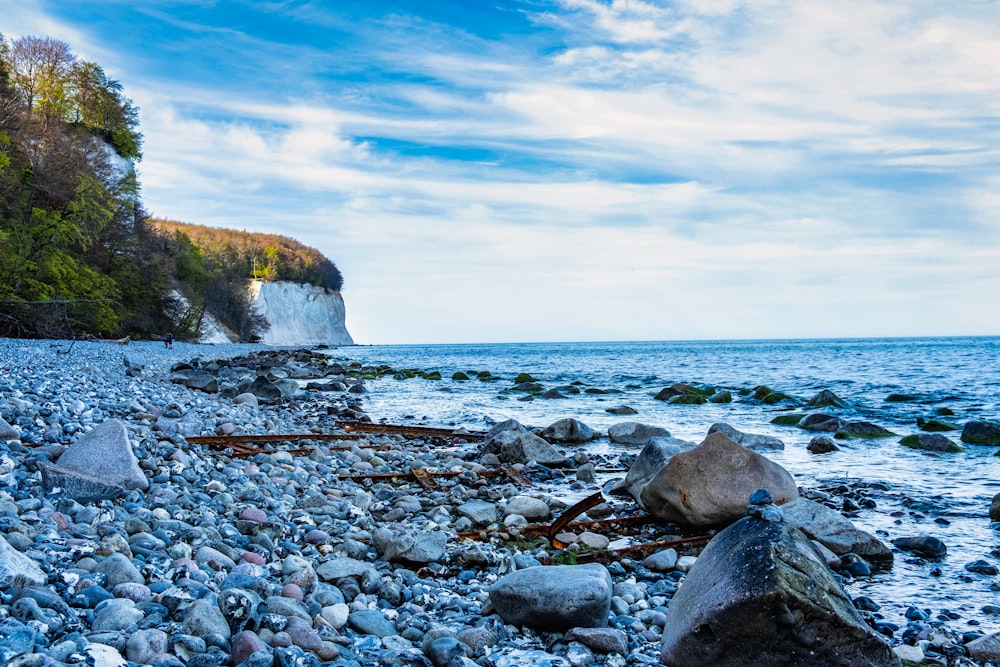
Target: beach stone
(115, 615)
(931, 442)
(213, 558)
(634, 433)
(371, 622)
(143, 645)
(748, 440)
(513, 446)
(759, 594)
(654, 456)
(196, 379)
(8, 432)
(819, 421)
(710, 484)
(247, 643)
(981, 433)
(102, 655)
(622, 410)
(16, 639)
(246, 398)
(339, 568)
(18, 570)
(100, 465)
(403, 545)
(443, 650)
(554, 598)
(119, 569)
(479, 512)
(286, 607)
(835, 531)
(528, 507)
(601, 640)
(922, 545)
(241, 608)
(265, 390)
(661, 561)
(204, 618)
(568, 430)
(985, 649)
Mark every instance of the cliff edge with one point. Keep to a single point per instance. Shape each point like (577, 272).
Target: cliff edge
(300, 314)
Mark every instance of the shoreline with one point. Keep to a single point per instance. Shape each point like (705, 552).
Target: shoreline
(41, 381)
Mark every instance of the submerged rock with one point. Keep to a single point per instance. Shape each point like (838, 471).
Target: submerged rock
(760, 594)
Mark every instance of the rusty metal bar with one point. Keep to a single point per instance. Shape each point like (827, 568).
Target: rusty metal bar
(639, 549)
(596, 525)
(571, 513)
(268, 437)
(408, 431)
(416, 473)
(243, 446)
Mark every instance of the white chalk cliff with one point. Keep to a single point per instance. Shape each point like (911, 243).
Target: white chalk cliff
(300, 314)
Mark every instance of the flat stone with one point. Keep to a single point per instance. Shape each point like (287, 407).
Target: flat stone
(554, 598)
(18, 570)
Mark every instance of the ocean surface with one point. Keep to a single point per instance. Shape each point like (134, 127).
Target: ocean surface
(944, 495)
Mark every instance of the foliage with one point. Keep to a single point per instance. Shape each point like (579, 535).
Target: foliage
(78, 254)
(264, 257)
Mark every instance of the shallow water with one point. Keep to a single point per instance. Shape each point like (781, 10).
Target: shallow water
(962, 374)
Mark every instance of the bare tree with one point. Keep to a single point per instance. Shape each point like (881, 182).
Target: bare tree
(40, 69)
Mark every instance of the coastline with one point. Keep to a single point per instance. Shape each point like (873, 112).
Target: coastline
(40, 382)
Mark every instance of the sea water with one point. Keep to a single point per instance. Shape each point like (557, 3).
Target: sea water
(944, 495)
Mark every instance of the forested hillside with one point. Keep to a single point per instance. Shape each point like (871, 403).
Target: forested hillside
(78, 253)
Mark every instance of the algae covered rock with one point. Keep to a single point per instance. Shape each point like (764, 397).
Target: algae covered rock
(981, 433)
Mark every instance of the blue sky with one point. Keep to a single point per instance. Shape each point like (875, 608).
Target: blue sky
(547, 170)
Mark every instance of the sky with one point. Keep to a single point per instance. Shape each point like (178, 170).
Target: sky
(577, 170)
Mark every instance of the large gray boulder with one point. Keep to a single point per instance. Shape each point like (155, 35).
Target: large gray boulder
(568, 430)
(554, 598)
(100, 465)
(709, 485)
(657, 452)
(634, 433)
(748, 440)
(517, 446)
(760, 594)
(835, 531)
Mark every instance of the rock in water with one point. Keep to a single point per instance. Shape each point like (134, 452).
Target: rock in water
(836, 532)
(568, 430)
(100, 465)
(710, 484)
(554, 598)
(748, 440)
(760, 594)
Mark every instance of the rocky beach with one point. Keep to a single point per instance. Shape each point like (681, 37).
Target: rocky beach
(130, 536)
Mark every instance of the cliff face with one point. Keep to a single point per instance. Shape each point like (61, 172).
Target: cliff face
(300, 314)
